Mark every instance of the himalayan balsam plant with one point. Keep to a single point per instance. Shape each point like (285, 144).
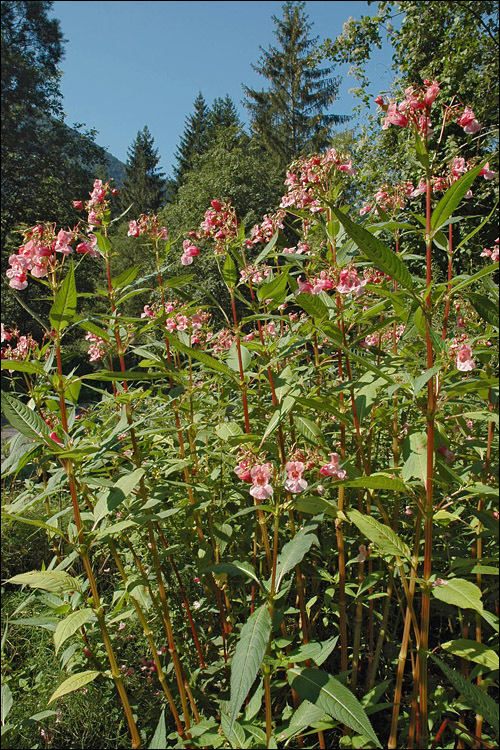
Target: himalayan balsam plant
(298, 508)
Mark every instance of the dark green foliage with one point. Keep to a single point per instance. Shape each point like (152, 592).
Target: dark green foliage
(143, 186)
(290, 115)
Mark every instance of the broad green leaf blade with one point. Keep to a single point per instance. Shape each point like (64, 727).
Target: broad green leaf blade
(384, 537)
(307, 715)
(255, 702)
(333, 698)
(235, 568)
(318, 652)
(309, 430)
(159, 739)
(248, 657)
(268, 248)
(471, 695)
(380, 255)
(376, 482)
(125, 278)
(234, 733)
(461, 593)
(279, 415)
(206, 359)
(23, 366)
(128, 375)
(312, 305)
(485, 308)
(68, 627)
(415, 455)
(461, 283)
(453, 196)
(24, 419)
(117, 494)
(232, 360)
(294, 551)
(274, 288)
(55, 581)
(33, 522)
(75, 682)
(7, 702)
(63, 310)
(229, 273)
(473, 651)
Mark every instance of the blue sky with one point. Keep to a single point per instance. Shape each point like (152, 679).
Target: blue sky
(130, 64)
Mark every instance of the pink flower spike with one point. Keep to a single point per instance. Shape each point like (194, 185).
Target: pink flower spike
(260, 475)
(464, 361)
(295, 483)
(332, 469)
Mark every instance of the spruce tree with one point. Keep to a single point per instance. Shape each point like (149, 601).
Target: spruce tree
(144, 184)
(290, 115)
(193, 140)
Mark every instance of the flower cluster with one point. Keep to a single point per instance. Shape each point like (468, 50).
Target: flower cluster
(321, 283)
(308, 178)
(97, 346)
(350, 283)
(219, 226)
(97, 205)
(25, 348)
(386, 338)
(388, 199)
(256, 274)
(264, 231)
(492, 254)
(147, 225)
(462, 354)
(413, 110)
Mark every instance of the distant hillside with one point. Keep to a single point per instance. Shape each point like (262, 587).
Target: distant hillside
(116, 169)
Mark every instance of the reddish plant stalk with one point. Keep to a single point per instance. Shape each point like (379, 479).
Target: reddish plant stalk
(450, 274)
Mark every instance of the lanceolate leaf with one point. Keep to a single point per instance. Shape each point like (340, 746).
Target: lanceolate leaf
(68, 627)
(235, 568)
(471, 695)
(380, 255)
(333, 698)
(117, 494)
(473, 651)
(159, 739)
(75, 682)
(63, 310)
(294, 551)
(248, 657)
(485, 307)
(55, 581)
(453, 196)
(312, 305)
(206, 359)
(461, 593)
(24, 419)
(384, 537)
(229, 272)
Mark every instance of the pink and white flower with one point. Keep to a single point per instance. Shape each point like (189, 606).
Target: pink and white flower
(295, 483)
(332, 469)
(260, 475)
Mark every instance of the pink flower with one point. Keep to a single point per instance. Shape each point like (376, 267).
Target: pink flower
(487, 173)
(363, 553)
(190, 251)
(468, 121)
(78, 205)
(394, 117)
(332, 469)
(62, 242)
(133, 229)
(464, 361)
(243, 472)
(349, 282)
(347, 167)
(295, 483)
(449, 457)
(260, 475)
(304, 287)
(431, 92)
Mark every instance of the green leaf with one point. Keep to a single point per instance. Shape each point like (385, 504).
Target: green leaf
(232, 360)
(63, 310)
(23, 419)
(460, 283)
(308, 429)
(7, 702)
(294, 551)
(461, 593)
(279, 415)
(159, 739)
(312, 305)
(248, 657)
(23, 366)
(314, 650)
(424, 378)
(473, 651)
(375, 250)
(117, 494)
(229, 273)
(234, 733)
(33, 522)
(235, 568)
(376, 482)
(128, 375)
(68, 627)
(307, 715)
(274, 288)
(268, 248)
(471, 695)
(75, 682)
(487, 310)
(255, 702)
(384, 537)
(333, 698)
(55, 581)
(206, 359)
(453, 196)
(415, 455)
(125, 278)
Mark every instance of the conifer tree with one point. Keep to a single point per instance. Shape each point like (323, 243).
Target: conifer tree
(223, 114)
(193, 140)
(290, 116)
(144, 184)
